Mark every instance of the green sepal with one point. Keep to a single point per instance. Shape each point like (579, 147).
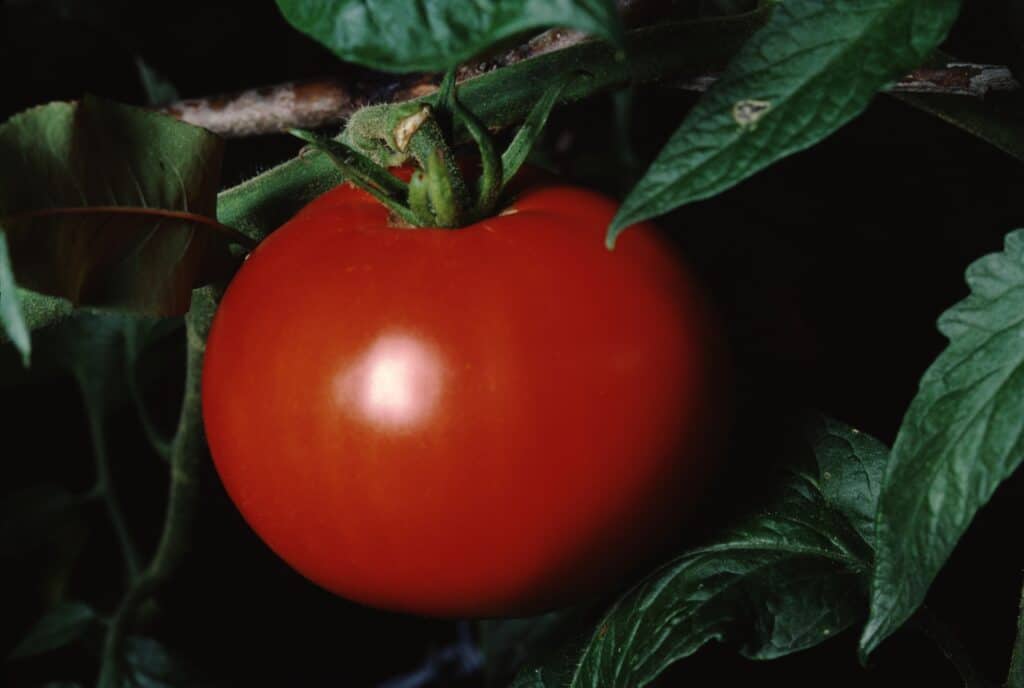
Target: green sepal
(364, 173)
(419, 199)
(441, 192)
(525, 139)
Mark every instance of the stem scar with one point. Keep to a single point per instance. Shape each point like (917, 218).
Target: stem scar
(405, 129)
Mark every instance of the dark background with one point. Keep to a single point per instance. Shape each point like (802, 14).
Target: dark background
(829, 268)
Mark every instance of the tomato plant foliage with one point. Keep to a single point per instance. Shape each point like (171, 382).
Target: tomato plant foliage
(401, 36)
(114, 222)
(814, 67)
(962, 435)
(109, 206)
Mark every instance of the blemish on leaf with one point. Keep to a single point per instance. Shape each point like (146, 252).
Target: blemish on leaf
(748, 112)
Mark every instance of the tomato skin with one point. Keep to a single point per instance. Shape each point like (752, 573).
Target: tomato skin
(487, 421)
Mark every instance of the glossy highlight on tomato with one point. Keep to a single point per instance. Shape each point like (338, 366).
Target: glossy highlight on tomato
(487, 421)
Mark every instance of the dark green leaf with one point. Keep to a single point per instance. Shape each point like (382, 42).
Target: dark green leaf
(108, 205)
(963, 434)
(59, 628)
(403, 36)
(11, 316)
(782, 581)
(852, 465)
(811, 69)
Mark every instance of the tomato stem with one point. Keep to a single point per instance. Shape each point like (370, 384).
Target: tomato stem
(438, 195)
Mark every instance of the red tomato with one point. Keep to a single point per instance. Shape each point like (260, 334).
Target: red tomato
(485, 421)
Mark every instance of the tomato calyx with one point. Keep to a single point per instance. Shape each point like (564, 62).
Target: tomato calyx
(419, 131)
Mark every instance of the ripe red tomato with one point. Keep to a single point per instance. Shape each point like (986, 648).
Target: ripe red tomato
(485, 421)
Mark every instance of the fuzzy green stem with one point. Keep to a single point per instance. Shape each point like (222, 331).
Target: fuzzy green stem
(440, 190)
(448, 193)
(186, 453)
(419, 199)
(499, 99)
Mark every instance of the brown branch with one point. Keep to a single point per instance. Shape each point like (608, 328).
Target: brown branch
(953, 78)
(330, 101)
(323, 102)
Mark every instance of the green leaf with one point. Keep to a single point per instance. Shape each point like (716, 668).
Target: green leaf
(852, 466)
(962, 435)
(11, 316)
(810, 70)
(784, 580)
(112, 206)
(403, 36)
(59, 628)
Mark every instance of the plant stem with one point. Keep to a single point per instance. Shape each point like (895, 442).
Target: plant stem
(186, 453)
(1015, 677)
(504, 97)
(104, 487)
(929, 625)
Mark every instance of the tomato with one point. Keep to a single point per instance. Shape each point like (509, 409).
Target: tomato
(486, 421)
